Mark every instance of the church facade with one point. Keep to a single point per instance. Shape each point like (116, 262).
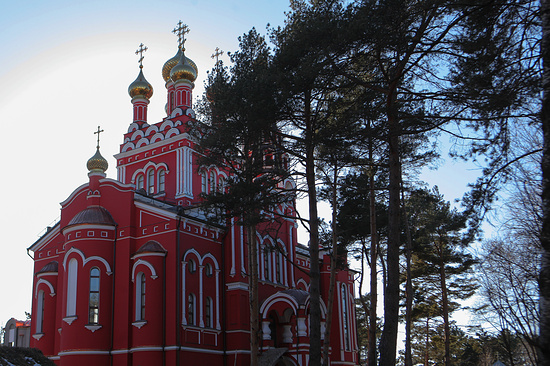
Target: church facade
(134, 274)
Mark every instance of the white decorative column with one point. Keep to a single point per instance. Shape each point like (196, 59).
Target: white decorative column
(287, 333)
(266, 330)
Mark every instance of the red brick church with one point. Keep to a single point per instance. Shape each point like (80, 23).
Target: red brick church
(134, 274)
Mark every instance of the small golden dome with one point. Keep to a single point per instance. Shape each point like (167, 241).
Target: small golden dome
(183, 70)
(97, 163)
(169, 65)
(140, 87)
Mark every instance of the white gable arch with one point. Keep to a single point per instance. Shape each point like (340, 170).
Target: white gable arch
(151, 130)
(128, 146)
(142, 142)
(192, 250)
(47, 283)
(73, 250)
(137, 134)
(172, 132)
(275, 298)
(166, 124)
(101, 260)
(157, 137)
(145, 263)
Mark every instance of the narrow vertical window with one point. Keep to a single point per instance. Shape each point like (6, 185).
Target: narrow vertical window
(151, 181)
(266, 265)
(345, 317)
(204, 182)
(191, 309)
(71, 287)
(162, 179)
(140, 296)
(208, 313)
(221, 185)
(140, 180)
(212, 182)
(93, 304)
(40, 312)
(277, 267)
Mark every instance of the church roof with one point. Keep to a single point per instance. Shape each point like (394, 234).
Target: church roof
(50, 267)
(93, 215)
(151, 246)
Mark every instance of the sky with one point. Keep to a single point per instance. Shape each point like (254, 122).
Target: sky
(65, 67)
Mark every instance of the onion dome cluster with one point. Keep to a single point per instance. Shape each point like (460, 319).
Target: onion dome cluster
(179, 67)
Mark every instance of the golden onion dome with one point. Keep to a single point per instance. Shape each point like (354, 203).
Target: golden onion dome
(97, 163)
(140, 87)
(169, 65)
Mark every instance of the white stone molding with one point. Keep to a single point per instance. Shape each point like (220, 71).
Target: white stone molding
(93, 328)
(148, 265)
(47, 283)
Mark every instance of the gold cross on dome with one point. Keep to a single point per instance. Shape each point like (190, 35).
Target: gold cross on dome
(140, 51)
(99, 130)
(217, 54)
(181, 30)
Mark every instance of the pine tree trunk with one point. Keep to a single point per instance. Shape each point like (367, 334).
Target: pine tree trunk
(409, 293)
(371, 357)
(333, 265)
(388, 341)
(314, 286)
(253, 295)
(544, 278)
(445, 308)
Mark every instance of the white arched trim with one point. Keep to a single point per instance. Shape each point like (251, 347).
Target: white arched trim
(146, 167)
(86, 260)
(209, 255)
(172, 132)
(142, 142)
(47, 283)
(151, 130)
(322, 306)
(275, 298)
(176, 112)
(148, 265)
(192, 250)
(73, 250)
(157, 137)
(301, 281)
(128, 146)
(166, 124)
(102, 260)
(133, 127)
(137, 134)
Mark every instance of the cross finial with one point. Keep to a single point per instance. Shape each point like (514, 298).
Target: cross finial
(181, 30)
(99, 130)
(140, 51)
(217, 54)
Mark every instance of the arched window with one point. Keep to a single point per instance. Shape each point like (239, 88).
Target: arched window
(151, 181)
(71, 287)
(93, 304)
(345, 317)
(208, 269)
(191, 309)
(140, 296)
(140, 184)
(212, 182)
(40, 312)
(221, 185)
(208, 313)
(162, 179)
(192, 266)
(204, 183)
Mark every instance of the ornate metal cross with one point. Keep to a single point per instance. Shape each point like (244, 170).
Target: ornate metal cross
(140, 51)
(99, 130)
(181, 30)
(217, 54)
